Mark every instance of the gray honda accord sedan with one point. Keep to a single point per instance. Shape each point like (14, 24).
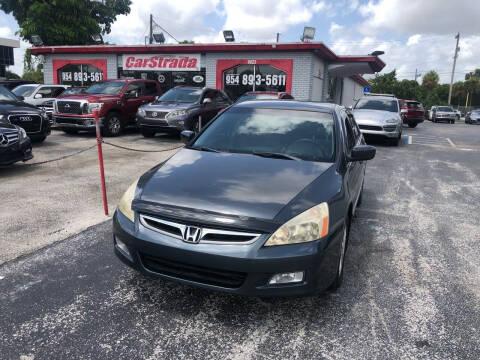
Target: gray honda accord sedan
(258, 203)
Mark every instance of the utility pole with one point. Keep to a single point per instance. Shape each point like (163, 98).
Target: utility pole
(417, 74)
(457, 49)
(150, 38)
(278, 37)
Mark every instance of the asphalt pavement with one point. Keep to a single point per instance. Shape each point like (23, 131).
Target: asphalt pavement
(411, 287)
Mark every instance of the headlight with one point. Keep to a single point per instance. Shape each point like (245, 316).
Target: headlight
(310, 225)
(175, 113)
(392, 121)
(141, 111)
(94, 106)
(2, 117)
(23, 133)
(125, 204)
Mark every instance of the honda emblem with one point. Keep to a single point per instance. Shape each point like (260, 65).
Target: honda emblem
(192, 234)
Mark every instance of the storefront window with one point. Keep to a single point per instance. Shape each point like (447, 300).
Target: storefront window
(261, 77)
(168, 79)
(79, 74)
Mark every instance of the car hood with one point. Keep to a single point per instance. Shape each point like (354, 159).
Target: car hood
(365, 116)
(90, 97)
(6, 126)
(229, 184)
(167, 106)
(17, 107)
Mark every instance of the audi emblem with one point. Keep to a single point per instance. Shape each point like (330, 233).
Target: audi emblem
(192, 235)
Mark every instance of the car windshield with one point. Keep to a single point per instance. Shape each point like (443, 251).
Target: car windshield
(181, 95)
(377, 104)
(445, 108)
(257, 97)
(281, 133)
(71, 91)
(6, 95)
(108, 88)
(24, 90)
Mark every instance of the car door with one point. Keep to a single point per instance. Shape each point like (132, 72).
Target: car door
(208, 109)
(355, 169)
(133, 99)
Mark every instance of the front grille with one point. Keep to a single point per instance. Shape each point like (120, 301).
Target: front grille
(156, 114)
(390, 128)
(30, 123)
(206, 234)
(370, 127)
(200, 274)
(69, 107)
(12, 137)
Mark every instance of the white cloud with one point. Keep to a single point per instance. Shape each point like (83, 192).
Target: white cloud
(414, 39)
(335, 29)
(420, 16)
(5, 32)
(182, 21)
(261, 20)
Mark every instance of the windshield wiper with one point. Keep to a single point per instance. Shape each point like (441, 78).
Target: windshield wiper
(204, 148)
(276, 155)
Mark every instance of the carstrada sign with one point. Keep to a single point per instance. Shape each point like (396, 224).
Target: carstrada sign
(164, 62)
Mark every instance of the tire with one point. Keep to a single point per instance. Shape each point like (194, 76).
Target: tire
(69, 131)
(113, 125)
(147, 133)
(412, 125)
(337, 282)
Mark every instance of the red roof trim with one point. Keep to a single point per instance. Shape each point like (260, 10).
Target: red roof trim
(360, 80)
(319, 48)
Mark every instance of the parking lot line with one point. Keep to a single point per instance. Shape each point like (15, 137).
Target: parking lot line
(410, 139)
(451, 143)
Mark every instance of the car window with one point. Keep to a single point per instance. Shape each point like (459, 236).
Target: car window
(181, 95)
(108, 88)
(150, 89)
(414, 105)
(445, 108)
(355, 128)
(24, 90)
(135, 87)
(349, 131)
(307, 135)
(6, 95)
(377, 104)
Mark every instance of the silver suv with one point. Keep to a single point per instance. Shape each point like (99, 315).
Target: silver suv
(379, 115)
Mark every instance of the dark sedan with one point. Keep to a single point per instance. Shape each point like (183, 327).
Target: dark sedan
(259, 203)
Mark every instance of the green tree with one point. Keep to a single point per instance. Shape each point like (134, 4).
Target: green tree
(475, 73)
(11, 75)
(384, 84)
(187, 42)
(430, 80)
(34, 75)
(64, 22)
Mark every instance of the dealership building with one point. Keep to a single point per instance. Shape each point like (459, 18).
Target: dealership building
(307, 70)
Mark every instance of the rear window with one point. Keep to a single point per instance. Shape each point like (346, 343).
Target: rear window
(414, 105)
(445, 108)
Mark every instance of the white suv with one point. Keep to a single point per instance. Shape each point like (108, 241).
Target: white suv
(379, 115)
(37, 94)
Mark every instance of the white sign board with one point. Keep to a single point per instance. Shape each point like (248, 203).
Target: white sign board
(164, 62)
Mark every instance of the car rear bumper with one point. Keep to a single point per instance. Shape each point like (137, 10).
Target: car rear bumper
(413, 120)
(21, 151)
(238, 269)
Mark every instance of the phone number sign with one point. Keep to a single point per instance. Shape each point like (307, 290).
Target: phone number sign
(250, 79)
(79, 76)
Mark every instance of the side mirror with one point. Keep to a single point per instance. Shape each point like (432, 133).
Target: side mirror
(403, 111)
(362, 153)
(206, 101)
(38, 96)
(186, 136)
(350, 108)
(20, 97)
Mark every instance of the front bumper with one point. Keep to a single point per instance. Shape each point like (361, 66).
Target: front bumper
(79, 123)
(176, 124)
(389, 131)
(248, 268)
(20, 151)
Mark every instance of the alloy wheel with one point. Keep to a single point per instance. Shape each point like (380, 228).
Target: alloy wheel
(114, 125)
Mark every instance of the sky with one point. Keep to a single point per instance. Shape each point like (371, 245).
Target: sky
(415, 34)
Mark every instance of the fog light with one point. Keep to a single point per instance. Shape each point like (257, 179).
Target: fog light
(120, 245)
(286, 278)
(88, 122)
